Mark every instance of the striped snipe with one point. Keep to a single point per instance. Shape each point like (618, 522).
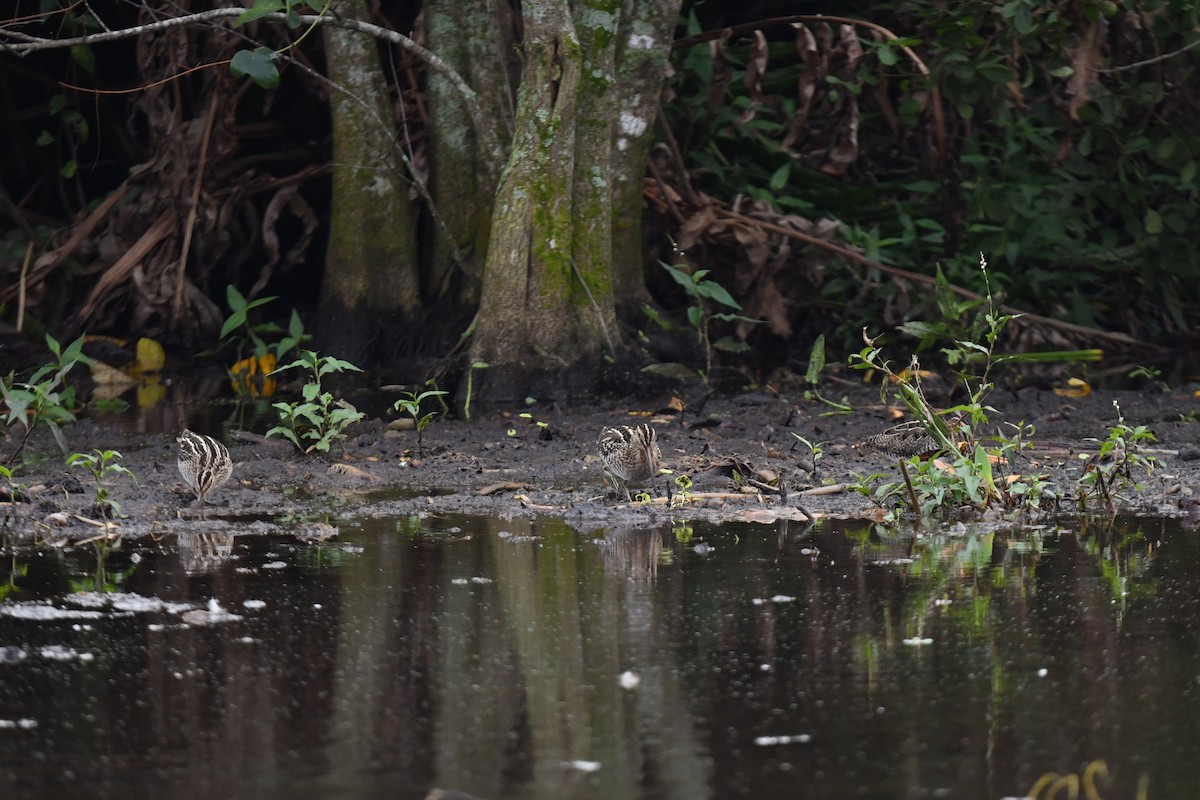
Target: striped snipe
(630, 454)
(203, 462)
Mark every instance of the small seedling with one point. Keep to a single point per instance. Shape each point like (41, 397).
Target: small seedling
(701, 289)
(15, 493)
(683, 482)
(102, 464)
(816, 363)
(44, 400)
(411, 405)
(318, 418)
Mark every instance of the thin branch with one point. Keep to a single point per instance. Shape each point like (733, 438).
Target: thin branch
(190, 225)
(1148, 61)
(852, 255)
(22, 44)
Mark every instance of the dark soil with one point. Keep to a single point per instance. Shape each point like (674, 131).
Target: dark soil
(503, 464)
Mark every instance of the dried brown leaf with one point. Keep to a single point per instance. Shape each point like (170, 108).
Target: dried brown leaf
(754, 243)
(756, 67)
(1084, 62)
(721, 72)
(288, 197)
(813, 71)
(696, 226)
(845, 152)
(851, 49)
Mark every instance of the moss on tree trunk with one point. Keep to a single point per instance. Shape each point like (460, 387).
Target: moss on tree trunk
(371, 280)
(547, 314)
(476, 37)
(643, 45)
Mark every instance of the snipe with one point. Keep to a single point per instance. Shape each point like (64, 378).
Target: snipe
(630, 454)
(204, 462)
(909, 439)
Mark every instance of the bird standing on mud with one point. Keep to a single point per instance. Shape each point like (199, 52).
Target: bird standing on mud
(204, 462)
(630, 454)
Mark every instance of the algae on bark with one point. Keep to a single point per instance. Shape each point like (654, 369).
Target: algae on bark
(371, 280)
(547, 314)
(476, 38)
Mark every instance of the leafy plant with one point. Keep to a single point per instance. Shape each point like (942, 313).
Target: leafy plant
(816, 450)
(15, 492)
(1037, 141)
(318, 419)
(1150, 374)
(44, 399)
(102, 464)
(971, 346)
(970, 479)
(411, 405)
(1113, 467)
(701, 289)
(258, 346)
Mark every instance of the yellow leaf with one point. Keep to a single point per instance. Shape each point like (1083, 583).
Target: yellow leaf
(150, 355)
(250, 376)
(1076, 387)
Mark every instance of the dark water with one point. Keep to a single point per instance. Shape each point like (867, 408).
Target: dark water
(486, 656)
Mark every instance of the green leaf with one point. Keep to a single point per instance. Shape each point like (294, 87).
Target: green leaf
(1062, 72)
(296, 363)
(58, 434)
(44, 138)
(295, 326)
(695, 315)
(74, 353)
(682, 278)
(887, 56)
(925, 330)
(1153, 222)
(816, 361)
(731, 345)
(259, 10)
(287, 433)
(258, 64)
(715, 291)
(235, 299)
(83, 55)
(946, 299)
(780, 178)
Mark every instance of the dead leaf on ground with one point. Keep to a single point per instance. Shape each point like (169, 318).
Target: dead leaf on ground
(1076, 387)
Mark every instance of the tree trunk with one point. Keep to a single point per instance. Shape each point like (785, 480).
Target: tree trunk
(643, 45)
(371, 284)
(547, 315)
(477, 38)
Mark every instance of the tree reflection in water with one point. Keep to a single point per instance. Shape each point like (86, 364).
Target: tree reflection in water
(487, 656)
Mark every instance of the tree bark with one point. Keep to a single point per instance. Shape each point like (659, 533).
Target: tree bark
(643, 47)
(371, 283)
(477, 38)
(547, 313)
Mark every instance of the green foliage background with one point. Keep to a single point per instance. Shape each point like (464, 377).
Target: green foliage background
(1069, 158)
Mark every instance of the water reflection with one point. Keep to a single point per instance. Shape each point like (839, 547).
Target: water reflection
(526, 659)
